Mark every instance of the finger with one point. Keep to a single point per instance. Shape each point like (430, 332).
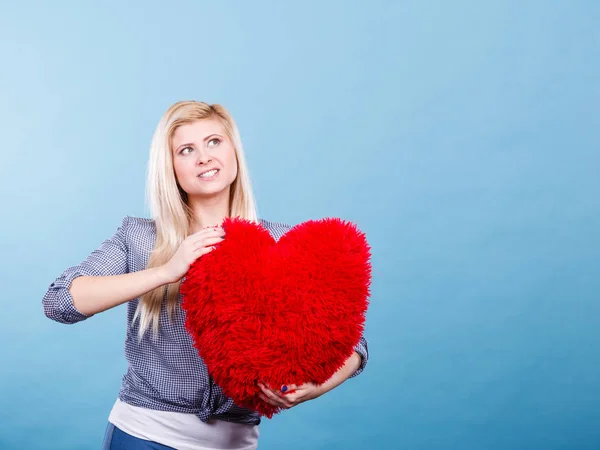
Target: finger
(215, 231)
(289, 394)
(288, 388)
(292, 399)
(201, 251)
(208, 242)
(266, 399)
(270, 393)
(207, 233)
(277, 401)
(277, 397)
(207, 245)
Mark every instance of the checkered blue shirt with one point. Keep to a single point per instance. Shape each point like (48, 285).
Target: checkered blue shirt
(167, 373)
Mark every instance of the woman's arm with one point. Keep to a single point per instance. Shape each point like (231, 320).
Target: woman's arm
(292, 395)
(104, 281)
(94, 294)
(108, 260)
(349, 368)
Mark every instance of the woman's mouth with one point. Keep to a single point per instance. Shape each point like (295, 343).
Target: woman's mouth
(209, 175)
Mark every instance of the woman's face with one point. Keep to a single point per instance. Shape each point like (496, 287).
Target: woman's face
(204, 158)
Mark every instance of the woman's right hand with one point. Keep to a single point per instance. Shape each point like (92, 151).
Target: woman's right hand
(192, 248)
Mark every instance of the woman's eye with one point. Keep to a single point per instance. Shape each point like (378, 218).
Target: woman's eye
(213, 142)
(185, 150)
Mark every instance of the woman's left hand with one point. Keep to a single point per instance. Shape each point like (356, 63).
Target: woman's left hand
(291, 395)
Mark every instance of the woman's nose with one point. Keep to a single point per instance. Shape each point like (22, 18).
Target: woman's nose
(203, 157)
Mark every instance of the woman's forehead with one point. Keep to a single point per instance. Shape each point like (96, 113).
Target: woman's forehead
(197, 131)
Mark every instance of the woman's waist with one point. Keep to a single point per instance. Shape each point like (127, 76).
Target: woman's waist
(181, 430)
(187, 393)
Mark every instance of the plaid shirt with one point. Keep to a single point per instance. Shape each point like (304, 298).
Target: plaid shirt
(165, 373)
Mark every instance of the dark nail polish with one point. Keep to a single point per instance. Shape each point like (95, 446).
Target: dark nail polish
(284, 388)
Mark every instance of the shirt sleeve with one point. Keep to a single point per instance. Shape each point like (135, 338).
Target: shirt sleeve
(362, 348)
(109, 259)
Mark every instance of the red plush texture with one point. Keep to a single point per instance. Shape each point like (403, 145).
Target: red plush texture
(285, 312)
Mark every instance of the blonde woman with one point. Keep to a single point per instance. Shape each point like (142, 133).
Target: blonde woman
(197, 176)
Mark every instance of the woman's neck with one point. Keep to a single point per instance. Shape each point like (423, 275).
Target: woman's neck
(209, 212)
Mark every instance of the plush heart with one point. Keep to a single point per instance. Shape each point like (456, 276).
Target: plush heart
(285, 312)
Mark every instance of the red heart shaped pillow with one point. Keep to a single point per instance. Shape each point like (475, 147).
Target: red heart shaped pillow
(286, 312)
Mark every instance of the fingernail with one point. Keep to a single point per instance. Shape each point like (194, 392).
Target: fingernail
(284, 388)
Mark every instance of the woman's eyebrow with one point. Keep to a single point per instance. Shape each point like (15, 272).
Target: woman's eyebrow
(211, 135)
(191, 144)
(182, 145)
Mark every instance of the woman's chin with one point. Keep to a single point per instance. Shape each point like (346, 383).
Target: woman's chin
(210, 192)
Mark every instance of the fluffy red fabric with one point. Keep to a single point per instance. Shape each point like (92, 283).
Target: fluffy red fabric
(285, 312)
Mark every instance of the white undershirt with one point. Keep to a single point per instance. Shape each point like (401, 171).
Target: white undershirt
(183, 431)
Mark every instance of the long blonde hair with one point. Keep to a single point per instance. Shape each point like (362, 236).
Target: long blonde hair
(168, 202)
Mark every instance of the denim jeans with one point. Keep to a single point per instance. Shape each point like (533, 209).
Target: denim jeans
(116, 439)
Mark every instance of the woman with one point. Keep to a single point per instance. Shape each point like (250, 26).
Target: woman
(197, 176)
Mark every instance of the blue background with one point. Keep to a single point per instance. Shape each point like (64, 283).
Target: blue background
(461, 136)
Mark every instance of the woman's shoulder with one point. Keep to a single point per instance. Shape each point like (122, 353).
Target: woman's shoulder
(139, 221)
(138, 230)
